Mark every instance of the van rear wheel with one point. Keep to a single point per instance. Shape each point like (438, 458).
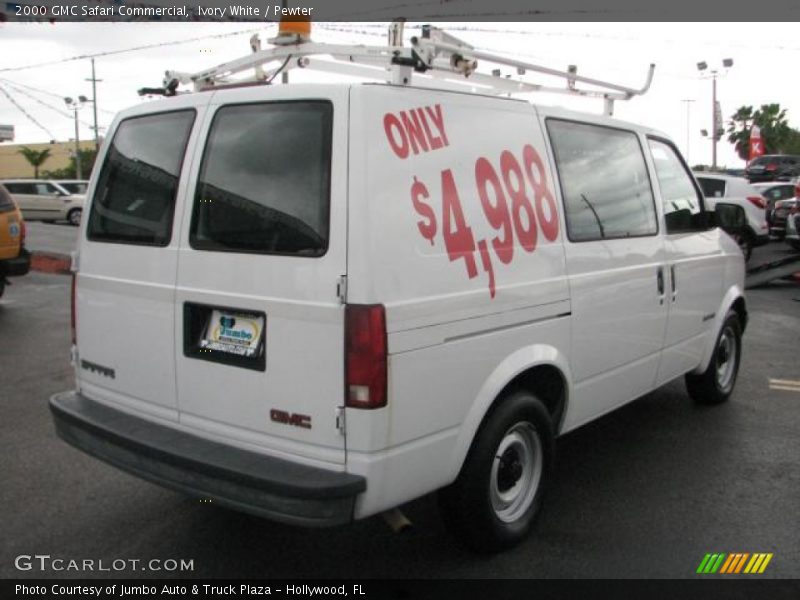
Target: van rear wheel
(716, 383)
(493, 503)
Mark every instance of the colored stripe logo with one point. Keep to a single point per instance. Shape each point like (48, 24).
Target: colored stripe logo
(735, 563)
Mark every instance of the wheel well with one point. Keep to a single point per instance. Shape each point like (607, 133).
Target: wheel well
(741, 310)
(548, 384)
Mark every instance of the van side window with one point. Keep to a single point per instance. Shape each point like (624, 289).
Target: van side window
(134, 200)
(683, 205)
(264, 182)
(604, 181)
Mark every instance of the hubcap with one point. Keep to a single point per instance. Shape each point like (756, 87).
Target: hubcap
(516, 472)
(726, 359)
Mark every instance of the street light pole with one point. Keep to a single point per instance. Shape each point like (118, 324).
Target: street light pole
(688, 103)
(727, 63)
(714, 120)
(78, 169)
(75, 106)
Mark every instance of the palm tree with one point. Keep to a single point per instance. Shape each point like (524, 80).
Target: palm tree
(36, 158)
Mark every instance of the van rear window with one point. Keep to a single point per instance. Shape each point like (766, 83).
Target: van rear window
(134, 201)
(264, 182)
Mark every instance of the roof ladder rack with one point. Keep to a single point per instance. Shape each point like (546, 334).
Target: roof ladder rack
(434, 59)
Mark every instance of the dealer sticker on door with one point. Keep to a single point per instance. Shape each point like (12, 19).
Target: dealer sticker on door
(233, 333)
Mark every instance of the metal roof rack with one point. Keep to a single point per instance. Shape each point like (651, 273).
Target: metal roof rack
(435, 59)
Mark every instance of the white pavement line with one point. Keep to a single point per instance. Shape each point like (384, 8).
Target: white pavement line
(785, 388)
(793, 382)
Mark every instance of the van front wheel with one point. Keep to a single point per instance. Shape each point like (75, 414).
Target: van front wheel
(493, 503)
(716, 383)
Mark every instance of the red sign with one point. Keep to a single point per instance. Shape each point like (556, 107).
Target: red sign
(756, 143)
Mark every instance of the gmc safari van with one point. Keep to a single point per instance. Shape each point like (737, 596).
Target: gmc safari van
(318, 302)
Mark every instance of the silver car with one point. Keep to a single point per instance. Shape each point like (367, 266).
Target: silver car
(45, 200)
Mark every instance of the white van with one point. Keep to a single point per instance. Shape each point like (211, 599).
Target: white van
(318, 302)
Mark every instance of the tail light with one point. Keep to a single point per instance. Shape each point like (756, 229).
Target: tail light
(72, 319)
(797, 190)
(22, 232)
(365, 355)
(758, 201)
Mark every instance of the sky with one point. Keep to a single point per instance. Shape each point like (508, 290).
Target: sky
(762, 53)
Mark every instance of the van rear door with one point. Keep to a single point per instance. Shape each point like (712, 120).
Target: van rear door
(125, 287)
(260, 330)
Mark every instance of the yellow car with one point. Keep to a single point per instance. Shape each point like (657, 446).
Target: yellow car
(14, 259)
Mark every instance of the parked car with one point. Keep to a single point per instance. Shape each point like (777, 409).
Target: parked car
(15, 260)
(318, 302)
(44, 200)
(774, 192)
(783, 208)
(773, 167)
(737, 191)
(793, 230)
(74, 186)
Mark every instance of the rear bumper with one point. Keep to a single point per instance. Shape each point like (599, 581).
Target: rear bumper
(254, 483)
(16, 267)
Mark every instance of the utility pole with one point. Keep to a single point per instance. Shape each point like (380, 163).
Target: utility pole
(94, 81)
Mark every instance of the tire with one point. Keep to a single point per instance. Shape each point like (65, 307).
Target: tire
(74, 216)
(2, 286)
(715, 385)
(493, 503)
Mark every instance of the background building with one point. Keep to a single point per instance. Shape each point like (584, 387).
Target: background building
(13, 164)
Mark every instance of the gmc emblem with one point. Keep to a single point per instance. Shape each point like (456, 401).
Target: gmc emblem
(285, 418)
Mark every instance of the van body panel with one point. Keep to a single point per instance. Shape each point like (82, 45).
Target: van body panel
(695, 262)
(125, 297)
(304, 329)
(451, 317)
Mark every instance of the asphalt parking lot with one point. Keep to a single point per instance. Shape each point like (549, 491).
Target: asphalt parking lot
(646, 491)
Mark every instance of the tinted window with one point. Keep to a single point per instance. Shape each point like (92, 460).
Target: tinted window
(21, 188)
(712, 188)
(74, 188)
(683, 205)
(604, 181)
(265, 180)
(135, 197)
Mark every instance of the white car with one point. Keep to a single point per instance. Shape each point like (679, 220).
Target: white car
(793, 230)
(318, 302)
(737, 190)
(45, 200)
(774, 192)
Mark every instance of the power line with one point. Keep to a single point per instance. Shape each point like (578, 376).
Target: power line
(30, 117)
(44, 92)
(63, 113)
(125, 50)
